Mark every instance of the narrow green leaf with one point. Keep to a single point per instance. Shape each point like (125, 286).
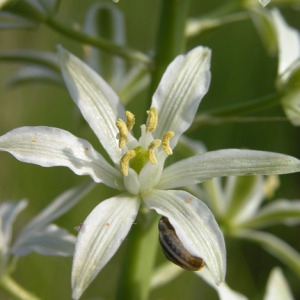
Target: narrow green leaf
(275, 246)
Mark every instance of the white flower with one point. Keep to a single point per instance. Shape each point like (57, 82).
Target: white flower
(138, 170)
(39, 235)
(288, 81)
(264, 2)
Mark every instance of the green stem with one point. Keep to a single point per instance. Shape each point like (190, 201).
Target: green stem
(14, 289)
(211, 120)
(101, 43)
(236, 109)
(140, 257)
(170, 36)
(139, 262)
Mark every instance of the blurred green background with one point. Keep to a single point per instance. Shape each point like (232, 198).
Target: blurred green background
(241, 70)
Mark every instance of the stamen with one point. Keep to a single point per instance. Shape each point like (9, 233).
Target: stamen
(152, 119)
(166, 140)
(123, 133)
(124, 162)
(130, 120)
(152, 146)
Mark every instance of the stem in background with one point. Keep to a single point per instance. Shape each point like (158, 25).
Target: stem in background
(235, 109)
(139, 260)
(101, 43)
(211, 120)
(140, 257)
(170, 36)
(14, 289)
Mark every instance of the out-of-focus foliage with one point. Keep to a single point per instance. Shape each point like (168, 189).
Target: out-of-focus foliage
(245, 62)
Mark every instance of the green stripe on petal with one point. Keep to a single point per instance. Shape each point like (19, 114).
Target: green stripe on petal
(50, 147)
(229, 162)
(195, 226)
(99, 238)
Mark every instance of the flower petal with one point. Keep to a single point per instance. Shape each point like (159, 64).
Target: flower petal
(223, 290)
(49, 147)
(264, 2)
(8, 212)
(98, 103)
(288, 43)
(244, 194)
(279, 212)
(229, 162)
(55, 209)
(50, 240)
(164, 274)
(99, 238)
(180, 91)
(277, 287)
(195, 226)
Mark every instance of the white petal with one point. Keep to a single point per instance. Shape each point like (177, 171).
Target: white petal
(277, 287)
(244, 195)
(264, 2)
(98, 103)
(180, 91)
(229, 162)
(8, 213)
(195, 226)
(49, 147)
(150, 174)
(55, 209)
(223, 290)
(164, 274)
(99, 238)
(278, 212)
(288, 42)
(51, 240)
(291, 97)
(9, 210)
(131, 182)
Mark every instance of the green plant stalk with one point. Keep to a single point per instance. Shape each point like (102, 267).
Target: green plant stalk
(139, 261)
(110, 47)
(138, 267)
(236, 109)
(170, 36)
(14, 289)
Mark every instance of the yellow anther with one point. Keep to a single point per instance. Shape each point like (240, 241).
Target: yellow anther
(152, 119)
(124, 162)
(152, 146)
(166, 140)
(123, 133)
(130, 120)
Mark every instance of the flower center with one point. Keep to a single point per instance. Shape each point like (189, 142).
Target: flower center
(137, 154)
